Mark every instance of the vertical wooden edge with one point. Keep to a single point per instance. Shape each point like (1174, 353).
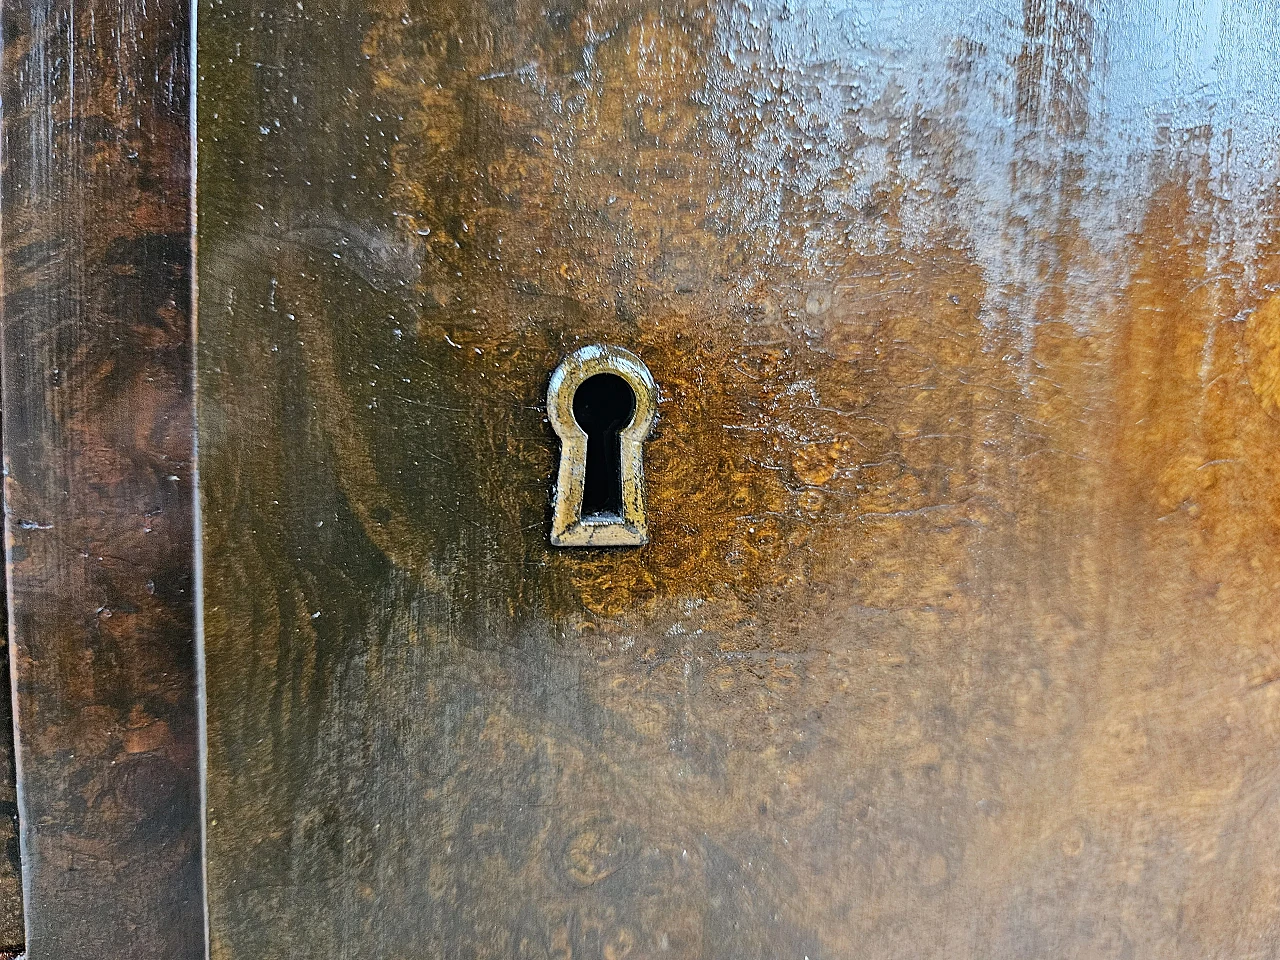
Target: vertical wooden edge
(99, 452)
(12, 932)
(197, 521)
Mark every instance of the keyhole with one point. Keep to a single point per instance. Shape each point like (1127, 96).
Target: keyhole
(601, 402)
(603, 406)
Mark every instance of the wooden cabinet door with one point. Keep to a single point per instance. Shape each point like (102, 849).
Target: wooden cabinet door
(955, 631)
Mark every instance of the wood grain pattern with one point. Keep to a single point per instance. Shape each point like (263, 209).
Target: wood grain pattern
(955, 635)
(98, 443)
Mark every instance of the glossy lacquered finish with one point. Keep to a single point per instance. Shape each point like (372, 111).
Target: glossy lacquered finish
(955, 632)
(95, 198)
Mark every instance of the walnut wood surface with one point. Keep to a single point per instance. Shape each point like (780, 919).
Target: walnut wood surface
(98, 439)
(956, 635)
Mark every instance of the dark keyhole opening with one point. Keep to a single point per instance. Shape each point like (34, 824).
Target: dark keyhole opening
(604, 406)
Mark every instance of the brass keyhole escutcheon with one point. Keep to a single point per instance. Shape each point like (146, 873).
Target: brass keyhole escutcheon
(602, 402)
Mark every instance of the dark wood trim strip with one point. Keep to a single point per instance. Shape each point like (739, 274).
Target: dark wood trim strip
(12, 931)
(95, 228)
